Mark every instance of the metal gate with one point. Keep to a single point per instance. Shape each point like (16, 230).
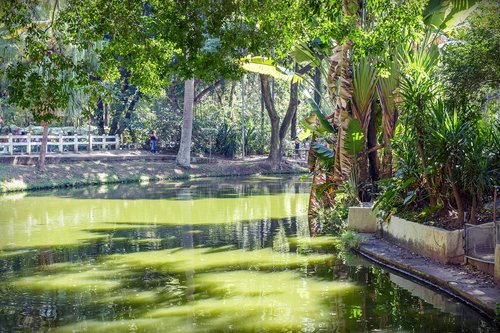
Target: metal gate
(481, 240)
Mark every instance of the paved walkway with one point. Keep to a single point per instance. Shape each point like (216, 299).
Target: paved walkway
(464, 282)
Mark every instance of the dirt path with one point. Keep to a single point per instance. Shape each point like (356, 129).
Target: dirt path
(26, 177)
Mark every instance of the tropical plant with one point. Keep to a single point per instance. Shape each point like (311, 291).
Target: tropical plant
(228, 140)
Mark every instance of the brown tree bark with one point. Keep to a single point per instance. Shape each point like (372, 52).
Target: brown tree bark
(458, 200)
(43, 147)
(372, 143)
(291, 111)
(128, 114)
(317, 86)
(273, 158)
(278, 132)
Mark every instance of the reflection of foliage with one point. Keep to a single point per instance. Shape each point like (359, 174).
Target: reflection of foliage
(218, 279)
(280, 241)
(333, 219)
(351, 239)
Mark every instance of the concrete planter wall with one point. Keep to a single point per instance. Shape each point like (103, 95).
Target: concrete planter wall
(362, 219)
(442, 245)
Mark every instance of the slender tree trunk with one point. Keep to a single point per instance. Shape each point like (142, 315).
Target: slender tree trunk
(231, 94)
(43, 147)
(389, 117)
(106, 114)
(115, 122)
(473, 209)
(458, 199)
(262, 108)
(243, 117)
(100, 117)
(317, 86)
(291, 111)
(428, 180)
(273, 158)
(184, 154)
(372, 142)
(128, 114)
(295, 95)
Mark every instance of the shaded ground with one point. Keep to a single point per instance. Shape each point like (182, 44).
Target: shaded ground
(99, 169)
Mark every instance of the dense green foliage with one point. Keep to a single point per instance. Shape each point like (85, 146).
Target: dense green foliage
(405, 94)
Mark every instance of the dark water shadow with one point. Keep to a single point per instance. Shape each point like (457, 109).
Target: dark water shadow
(249, 234)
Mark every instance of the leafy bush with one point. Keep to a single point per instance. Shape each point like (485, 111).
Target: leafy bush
(228, 140)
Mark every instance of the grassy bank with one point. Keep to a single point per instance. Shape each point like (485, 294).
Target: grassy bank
(22, 178)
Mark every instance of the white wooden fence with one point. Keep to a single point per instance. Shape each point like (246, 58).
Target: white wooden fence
(10, 144)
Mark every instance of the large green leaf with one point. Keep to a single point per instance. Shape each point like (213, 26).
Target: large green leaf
(302, 54)
(267, 66)
(322, 150)
(442, 14)
(304, 134)
(364, 83)
(355, 139)
(325, 125)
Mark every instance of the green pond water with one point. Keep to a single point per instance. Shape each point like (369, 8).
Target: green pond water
(211, 255)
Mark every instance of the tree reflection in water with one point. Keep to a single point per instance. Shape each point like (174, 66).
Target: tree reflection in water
(241, 269)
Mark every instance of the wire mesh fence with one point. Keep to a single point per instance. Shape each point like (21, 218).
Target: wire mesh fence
(480, 241)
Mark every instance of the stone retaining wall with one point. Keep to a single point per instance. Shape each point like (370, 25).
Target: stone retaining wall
(442, 245)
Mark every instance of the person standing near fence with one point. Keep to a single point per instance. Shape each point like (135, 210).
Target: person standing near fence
(152, 140)
(307, 146)
(297, 147)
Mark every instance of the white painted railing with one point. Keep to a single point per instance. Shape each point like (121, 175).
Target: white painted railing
(63, 143)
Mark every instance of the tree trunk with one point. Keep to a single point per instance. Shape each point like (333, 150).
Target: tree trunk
(43, 147)
(317, 86)
(262, 108)
(458, 199)
(372, 142)
(274, 153)
(107, 107)
(428, 180)
(231, 94)
(294, 95)
(389, 117)
(115, 122)
(184, 153)
(243, 117)
(100, 117)
(291, 111)
(340, 68)
(128, 114)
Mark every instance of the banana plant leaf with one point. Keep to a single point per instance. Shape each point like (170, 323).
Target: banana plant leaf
(355, 139)
(304, 134)
(445, 14)
(323, 150)
(302, 54)
(267, 66)
(325, 124)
